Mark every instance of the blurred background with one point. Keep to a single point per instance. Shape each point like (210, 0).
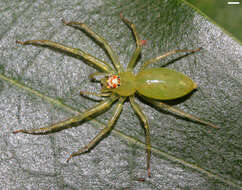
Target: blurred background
(227, 16)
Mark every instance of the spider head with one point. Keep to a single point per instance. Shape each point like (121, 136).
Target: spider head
(110, 82)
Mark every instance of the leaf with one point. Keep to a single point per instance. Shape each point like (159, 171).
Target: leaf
(227, 14)
(40, 86)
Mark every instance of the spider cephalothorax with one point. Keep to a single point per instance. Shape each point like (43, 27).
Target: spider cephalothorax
(153, 84)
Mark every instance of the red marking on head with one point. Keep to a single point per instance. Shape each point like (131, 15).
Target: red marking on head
(143, 42)
(113, 81)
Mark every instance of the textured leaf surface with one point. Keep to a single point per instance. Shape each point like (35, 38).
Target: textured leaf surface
(39, 86)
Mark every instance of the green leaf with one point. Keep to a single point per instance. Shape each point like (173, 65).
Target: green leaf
(40, 86)
(227, 14)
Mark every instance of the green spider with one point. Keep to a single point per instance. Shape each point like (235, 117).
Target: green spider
(151, 84)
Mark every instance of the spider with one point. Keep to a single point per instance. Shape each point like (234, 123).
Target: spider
(151, 84)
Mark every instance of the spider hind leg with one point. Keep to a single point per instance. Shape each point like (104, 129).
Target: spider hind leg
(143, 118)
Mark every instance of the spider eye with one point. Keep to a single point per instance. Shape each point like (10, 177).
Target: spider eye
(113, 81)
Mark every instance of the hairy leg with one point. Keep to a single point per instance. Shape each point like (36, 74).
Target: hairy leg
(143, 118)
(100, 65)
(99, 39)
(103, 132)
(179, 112)
(139, 43)
(167, 54)
(97, 76)
(103, 94)
(71, 121)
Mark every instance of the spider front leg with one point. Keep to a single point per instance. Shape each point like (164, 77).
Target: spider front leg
(72, 121)
(103, 94)
(143, 118)
(99, 39)
(103, 132)
(96, 77)
(179, 112)
(100, 65)
(167, 54)
(139, 43)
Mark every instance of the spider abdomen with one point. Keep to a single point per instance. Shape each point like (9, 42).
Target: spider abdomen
(163, 84)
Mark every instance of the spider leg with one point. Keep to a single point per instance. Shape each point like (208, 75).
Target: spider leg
(167, 54)
(103, 94)
(97, 63)
(71, 122)
(97, 76)
(143, 118)
(138, 43)
(99, 39)
(103, 132)
(179, 112)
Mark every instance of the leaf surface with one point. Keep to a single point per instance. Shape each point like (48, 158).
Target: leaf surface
(40, 86)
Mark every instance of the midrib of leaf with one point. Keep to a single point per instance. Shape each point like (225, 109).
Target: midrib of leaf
(118, 133)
